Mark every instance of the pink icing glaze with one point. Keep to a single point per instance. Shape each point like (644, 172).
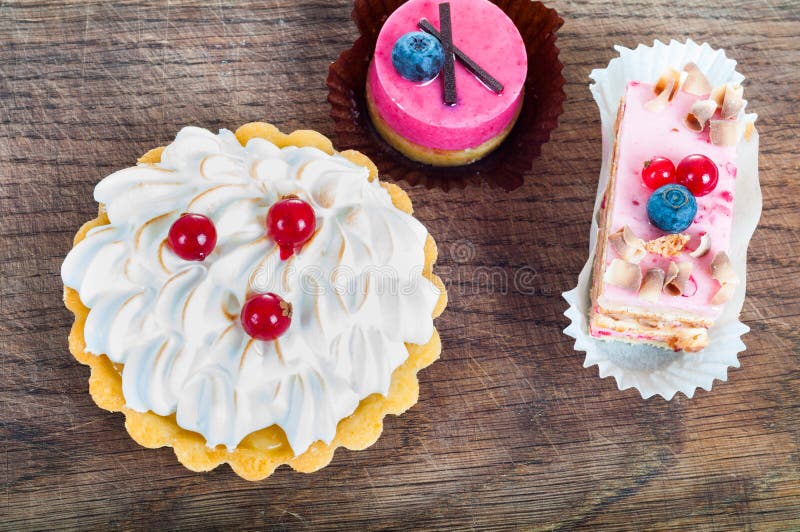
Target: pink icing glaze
(644, 134)
(416, 110)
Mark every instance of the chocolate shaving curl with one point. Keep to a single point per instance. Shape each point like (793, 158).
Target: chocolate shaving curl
(449, 69)
(485, 78)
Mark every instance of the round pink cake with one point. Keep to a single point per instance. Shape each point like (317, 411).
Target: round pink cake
(413, 116)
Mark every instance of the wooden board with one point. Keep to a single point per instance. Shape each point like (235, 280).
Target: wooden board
(510, 430)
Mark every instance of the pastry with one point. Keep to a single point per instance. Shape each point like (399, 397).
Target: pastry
(255, 299)
(661, 274)
(445, 84)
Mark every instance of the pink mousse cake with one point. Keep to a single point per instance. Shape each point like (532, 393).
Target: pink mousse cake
(412, 116)
(655, 281)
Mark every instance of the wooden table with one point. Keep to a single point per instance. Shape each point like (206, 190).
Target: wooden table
(510, 429)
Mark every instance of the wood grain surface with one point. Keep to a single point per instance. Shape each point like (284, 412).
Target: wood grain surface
(510, 430)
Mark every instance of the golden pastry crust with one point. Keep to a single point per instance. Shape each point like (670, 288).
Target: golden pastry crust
(261, 452)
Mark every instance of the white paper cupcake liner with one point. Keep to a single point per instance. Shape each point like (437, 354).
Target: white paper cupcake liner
(651, 370)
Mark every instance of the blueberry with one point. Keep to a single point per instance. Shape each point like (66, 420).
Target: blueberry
(417, 56)
(671, 208)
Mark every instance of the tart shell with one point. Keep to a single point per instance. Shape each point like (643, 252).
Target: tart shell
(260, 452)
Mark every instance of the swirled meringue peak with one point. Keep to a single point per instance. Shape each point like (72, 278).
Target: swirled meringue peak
(356, 288)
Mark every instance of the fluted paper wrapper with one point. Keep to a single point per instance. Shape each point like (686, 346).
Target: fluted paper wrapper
(503, 168)
(651, 370)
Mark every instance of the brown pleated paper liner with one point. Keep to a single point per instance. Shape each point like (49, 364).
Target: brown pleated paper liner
(506, 166)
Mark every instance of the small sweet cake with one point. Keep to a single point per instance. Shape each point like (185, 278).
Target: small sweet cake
(445, 85)
(254, 298)
(661, 273)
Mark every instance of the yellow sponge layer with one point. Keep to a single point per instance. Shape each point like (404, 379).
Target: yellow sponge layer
(261, 452)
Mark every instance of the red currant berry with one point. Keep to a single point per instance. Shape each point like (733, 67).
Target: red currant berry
(698, 173)
(266, 316)
(192, 237)
(291, 222)
(657, 172)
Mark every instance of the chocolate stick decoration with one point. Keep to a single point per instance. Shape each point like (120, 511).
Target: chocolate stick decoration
(449, 69)
(468, 63)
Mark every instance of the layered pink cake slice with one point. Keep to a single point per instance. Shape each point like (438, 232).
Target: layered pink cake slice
(653, 280)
